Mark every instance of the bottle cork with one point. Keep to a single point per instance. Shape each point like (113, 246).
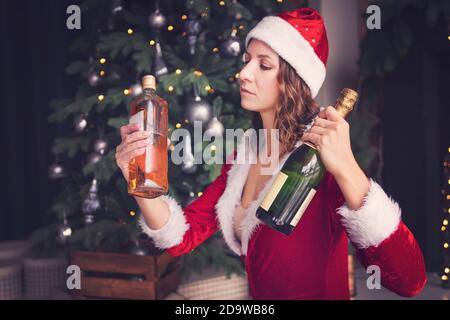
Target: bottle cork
(149, 82)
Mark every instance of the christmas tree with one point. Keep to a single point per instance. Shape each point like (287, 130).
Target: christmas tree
(194, 48)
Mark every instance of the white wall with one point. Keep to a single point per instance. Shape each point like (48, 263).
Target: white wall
(342, 24)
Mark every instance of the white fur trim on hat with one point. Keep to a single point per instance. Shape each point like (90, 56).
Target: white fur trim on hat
(285, 40)
(172, 233)
(376, 220)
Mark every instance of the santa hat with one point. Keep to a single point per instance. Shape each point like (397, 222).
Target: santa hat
(300, 38)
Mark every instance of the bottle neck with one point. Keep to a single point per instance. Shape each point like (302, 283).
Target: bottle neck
(149, 90)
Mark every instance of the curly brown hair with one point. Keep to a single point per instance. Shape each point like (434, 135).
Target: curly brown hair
(295, 109)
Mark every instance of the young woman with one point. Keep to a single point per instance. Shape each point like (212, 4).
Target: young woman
(284, 68)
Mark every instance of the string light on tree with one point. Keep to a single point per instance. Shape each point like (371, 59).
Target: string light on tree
(445, 220)
(130, 31)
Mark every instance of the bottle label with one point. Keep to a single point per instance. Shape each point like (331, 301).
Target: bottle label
(138, 118)
(150, 127)
(303, 207)
(273, 191)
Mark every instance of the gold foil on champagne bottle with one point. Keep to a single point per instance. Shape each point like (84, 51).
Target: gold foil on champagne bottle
(346, 101)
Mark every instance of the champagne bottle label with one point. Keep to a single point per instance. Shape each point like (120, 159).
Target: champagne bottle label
(273, 191)
(303, 207)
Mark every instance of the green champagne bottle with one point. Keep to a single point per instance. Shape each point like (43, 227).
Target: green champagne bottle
(298, 180)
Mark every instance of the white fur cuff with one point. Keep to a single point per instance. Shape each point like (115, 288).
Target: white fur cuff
(171, 234)
(376, 220)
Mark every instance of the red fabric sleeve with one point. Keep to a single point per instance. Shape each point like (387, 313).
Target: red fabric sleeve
(400, 261)
(399, 256)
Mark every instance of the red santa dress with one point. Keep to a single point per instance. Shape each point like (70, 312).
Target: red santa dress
(310, 263)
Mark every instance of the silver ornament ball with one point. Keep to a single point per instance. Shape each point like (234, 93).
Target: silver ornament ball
(94, 157)
(232, 46)
(138, 250)
(100, 146)
(189, 167)
(80, 123)
(91, 203)
(56, 171)
(117, 7)
(64, 232)
(157, 20)
(88, 219)
(215, 127)
(199, 110)
(93, 78)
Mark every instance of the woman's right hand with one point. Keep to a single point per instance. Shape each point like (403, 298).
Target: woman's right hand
(134, 142)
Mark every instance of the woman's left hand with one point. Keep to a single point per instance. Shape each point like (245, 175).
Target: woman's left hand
(330, 134)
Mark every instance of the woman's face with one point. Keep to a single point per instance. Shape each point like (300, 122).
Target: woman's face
(258, 78)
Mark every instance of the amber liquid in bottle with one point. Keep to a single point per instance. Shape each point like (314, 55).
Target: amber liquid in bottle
(148, 172)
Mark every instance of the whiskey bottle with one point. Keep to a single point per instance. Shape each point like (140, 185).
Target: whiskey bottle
(298, 180)
(148, 172)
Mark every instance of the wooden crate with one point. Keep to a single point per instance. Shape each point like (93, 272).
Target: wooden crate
(126, 276)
